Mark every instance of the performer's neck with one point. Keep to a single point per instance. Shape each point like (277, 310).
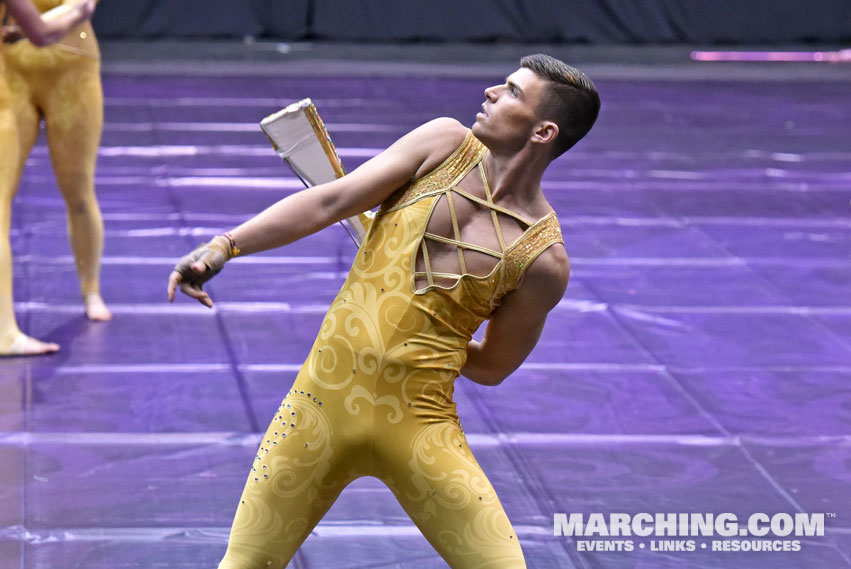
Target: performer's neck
(517, 175)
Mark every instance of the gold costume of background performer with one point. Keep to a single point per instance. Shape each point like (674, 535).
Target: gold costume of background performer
(61, 85)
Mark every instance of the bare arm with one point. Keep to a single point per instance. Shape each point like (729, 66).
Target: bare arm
(42, 32)
(516, 325)
(310, 210)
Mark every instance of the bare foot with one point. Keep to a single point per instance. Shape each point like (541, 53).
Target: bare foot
(96, 308)
(24, 345)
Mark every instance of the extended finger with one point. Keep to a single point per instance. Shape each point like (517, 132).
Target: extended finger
(174, 279)
(197, 293)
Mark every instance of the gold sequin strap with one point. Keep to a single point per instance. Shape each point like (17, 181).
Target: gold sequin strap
(543, 234)
(449, 173)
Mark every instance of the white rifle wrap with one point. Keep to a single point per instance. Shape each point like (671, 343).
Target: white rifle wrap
(301, 140)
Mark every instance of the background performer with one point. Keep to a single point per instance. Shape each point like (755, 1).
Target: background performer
(60, 84)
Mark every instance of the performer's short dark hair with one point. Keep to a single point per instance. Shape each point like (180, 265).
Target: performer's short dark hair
(570, 99)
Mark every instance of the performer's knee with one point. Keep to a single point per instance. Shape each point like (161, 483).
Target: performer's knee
(77, 188)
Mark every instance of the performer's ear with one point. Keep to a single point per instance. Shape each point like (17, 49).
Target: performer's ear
(545, 132)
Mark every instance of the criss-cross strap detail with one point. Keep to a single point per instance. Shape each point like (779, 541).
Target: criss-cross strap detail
(492, 206)
(428, 273)
(442, 183)
(463, 245)
(489, 197)
(457, 232)
(456, 239)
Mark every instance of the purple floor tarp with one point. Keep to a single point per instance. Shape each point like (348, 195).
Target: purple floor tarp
(700, 361)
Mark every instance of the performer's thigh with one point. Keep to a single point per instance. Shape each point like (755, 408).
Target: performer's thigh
(297, 474)
(27, 116)
(73, 115)
(443, 489)
(9, 161)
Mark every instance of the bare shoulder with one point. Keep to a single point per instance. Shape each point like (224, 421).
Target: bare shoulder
(440, 138)
(546, 278)
(445, 130)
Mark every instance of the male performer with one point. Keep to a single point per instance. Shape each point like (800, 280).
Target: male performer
(463, 235)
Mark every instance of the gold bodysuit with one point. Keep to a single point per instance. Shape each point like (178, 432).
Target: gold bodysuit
(8, 173)
(374, 397)
(61, 85)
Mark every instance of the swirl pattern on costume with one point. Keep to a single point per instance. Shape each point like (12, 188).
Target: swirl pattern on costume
(375, 395)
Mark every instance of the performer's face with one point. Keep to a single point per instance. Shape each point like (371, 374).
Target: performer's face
(509, 113)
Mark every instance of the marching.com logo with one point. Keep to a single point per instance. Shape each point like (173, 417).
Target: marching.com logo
(763, 526)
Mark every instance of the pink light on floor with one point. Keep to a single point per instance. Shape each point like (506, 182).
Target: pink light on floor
(841, 56)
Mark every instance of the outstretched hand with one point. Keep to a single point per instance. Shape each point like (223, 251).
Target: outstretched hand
(193, 270)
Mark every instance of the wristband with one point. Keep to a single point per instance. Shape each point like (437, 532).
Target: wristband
(234, 250)
(221, 244)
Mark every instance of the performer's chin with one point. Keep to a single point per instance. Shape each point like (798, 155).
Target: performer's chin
(480, 129)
